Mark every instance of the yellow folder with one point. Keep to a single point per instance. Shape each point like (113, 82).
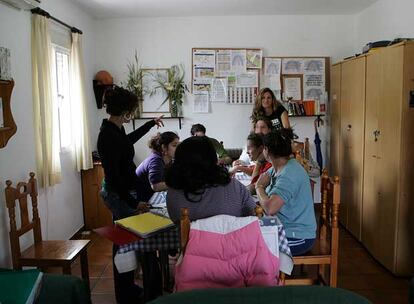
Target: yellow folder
(145, 224)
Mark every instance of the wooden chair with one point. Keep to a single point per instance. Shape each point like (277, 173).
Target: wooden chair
(325, 251)
(41, 254)
(185, 225)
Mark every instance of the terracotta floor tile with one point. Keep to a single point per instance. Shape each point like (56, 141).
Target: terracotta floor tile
(104, 285)
(103, 298)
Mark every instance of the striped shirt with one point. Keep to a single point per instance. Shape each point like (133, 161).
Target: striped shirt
(231, 199)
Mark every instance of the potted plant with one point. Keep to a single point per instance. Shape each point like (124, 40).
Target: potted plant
(174, 87)
(134, 82)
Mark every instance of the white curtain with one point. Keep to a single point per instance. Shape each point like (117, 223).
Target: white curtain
(79, 117)
(45, 113)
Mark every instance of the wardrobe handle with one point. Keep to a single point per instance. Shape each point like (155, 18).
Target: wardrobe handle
(348, 128)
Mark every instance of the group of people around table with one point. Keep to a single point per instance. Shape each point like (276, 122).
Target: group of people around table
(193, 173)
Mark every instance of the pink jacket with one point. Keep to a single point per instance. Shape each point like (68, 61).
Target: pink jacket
(226, 251)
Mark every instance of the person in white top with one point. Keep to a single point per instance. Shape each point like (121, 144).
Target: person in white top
(244, 164)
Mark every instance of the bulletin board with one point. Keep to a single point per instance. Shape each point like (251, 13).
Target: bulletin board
(302, 78)
(230, 75)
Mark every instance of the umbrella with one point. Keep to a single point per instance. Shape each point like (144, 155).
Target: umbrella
(317, 142)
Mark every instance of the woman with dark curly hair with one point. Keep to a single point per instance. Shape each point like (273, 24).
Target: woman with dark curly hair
(267, 106)
(119, 189)
(196, 182)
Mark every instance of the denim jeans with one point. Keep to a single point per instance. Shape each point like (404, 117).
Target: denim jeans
(119, 208)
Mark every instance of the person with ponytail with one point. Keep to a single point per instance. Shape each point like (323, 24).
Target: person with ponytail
(150, 172)
(285, 191)
(119, 188)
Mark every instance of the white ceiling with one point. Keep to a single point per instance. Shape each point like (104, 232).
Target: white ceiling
(162, 8)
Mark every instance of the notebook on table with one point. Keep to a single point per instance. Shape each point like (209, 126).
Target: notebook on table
(20, 286)
(145, 224)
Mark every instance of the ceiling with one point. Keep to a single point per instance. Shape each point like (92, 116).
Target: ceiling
(164, 8)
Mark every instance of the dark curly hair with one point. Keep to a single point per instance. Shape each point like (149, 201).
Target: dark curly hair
(118, 101)
(279, 142)
(157, 141)
(195, 168)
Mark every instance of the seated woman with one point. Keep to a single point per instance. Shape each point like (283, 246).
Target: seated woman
(150, 179)
(285, 190)
(150, 172)
(245, 163)
(195, 181)
(255, 152)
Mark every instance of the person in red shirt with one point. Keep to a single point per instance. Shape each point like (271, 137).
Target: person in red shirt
(255, 151)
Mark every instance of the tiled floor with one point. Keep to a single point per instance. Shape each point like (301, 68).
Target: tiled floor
(358, 272)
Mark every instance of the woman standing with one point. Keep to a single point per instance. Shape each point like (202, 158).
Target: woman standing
(267, 106)
(116, 150)
(285, 190)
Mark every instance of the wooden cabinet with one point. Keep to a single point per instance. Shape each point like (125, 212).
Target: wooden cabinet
(347, 138)
(96, 214)
(386, 208)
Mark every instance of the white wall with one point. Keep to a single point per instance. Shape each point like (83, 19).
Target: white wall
(61, 207)
(384, 20)
(162, 42)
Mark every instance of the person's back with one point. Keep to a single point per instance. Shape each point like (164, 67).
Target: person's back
(197, 182)
(231, 199)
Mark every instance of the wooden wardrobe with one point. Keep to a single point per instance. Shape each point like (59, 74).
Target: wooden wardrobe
(373, 103)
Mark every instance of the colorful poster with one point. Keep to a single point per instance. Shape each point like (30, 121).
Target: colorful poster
(254, 59)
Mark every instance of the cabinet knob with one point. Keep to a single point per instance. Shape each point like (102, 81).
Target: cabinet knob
(348, 127)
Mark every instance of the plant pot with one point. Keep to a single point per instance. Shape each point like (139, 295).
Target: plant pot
(175, 110)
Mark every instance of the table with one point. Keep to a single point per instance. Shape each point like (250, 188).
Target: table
(170, 239)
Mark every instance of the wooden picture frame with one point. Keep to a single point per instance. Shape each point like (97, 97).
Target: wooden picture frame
(152, 100)
(292, 86)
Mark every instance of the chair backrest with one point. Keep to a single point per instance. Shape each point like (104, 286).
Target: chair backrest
(330, 200)
(185, 225)
(20, 194)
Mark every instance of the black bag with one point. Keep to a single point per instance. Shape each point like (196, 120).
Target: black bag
(376, 44)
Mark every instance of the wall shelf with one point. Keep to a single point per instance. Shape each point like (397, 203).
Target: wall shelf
(164, 118)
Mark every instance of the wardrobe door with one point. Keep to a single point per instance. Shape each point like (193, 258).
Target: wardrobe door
(389, 152)
(352, 141)
(370, 206)
(335, 113)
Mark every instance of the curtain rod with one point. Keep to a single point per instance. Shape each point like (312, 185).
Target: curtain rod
(41, 12)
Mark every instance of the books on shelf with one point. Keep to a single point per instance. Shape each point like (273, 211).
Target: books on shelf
(20, 286)
(145, 224)
(303, 108)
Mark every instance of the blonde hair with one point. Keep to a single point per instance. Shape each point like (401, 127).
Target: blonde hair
(258, 110)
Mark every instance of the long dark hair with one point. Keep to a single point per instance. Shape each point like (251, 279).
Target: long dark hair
(195, 168)
(279, 142)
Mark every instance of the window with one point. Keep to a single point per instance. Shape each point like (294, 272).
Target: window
(62, 96)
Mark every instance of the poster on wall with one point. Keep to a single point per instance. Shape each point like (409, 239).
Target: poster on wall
(201, 104)
(223, 63)
(218, 90)
(238, 61)
(254, 59)
(292, 87)
(292, 66)
(5, 65)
